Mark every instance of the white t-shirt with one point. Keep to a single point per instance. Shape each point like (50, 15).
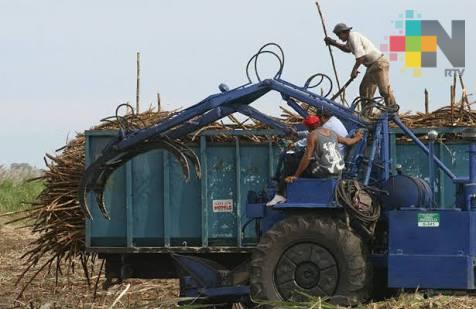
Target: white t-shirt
(360, 46)
(333, 124)
(336, 125)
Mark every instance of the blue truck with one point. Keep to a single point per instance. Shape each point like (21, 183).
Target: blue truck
(214, 233)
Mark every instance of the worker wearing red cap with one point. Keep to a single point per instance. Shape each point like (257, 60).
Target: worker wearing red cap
(321, 157)
(311, 120)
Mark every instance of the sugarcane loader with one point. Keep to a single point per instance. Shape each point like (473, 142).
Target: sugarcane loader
(329, 234)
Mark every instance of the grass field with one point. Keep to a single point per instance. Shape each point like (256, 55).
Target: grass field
(15, 196)
(15, 189)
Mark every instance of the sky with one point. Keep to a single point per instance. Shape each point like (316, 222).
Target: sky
(64, 65)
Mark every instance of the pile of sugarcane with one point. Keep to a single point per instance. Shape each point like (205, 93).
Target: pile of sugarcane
(458, 115)
(58, 220)
(56, 216)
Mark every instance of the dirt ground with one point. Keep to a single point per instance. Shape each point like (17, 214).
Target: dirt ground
(72, 290)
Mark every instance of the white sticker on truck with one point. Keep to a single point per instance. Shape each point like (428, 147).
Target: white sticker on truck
(222, 205)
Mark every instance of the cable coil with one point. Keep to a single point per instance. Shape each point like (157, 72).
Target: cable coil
(360, 204)
(265, 50)
(278, 53)
(367, 105)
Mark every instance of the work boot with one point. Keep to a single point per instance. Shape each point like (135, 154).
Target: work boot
(277, 199)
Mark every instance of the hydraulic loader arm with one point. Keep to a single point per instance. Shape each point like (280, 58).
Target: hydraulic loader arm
(164, 135)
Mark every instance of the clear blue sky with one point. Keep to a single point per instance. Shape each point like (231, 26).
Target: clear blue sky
(66, 64)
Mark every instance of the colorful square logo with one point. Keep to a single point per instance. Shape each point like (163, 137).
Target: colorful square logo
(428, 43)
(413, 28)
(412, 59)
(397, 43)
(418, 50)
(413, 43)
(417, 40)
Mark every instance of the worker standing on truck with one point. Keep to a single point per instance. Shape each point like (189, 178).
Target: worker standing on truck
(367, 54)
(321, 157)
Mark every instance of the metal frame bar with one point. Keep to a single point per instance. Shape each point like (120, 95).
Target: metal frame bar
(204, 191)
(425, 130)
(386, 149)
(441, 174)
(296, 107)
(422, 146)
(182, 249)
(315, 100)
(201, 121)
(270, 158)
(129, 204)
(166, 200)
(87, 150)
(255, 114)
(431, 171)
(393, 151)
(253, 91)
(215, 107)
(240, 132)
(392, 131)
(238, 191)
(373, 152)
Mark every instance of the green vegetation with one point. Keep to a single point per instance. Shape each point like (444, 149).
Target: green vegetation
(13, 195)
(15, 191)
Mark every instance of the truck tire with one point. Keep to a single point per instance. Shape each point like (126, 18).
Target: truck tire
(318, 256)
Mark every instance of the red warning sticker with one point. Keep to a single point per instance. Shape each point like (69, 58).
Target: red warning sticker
(222, 205)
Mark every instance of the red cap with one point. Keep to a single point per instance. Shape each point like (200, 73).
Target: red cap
(311, 120)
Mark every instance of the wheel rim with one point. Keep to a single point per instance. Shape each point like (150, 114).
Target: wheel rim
(306, 267)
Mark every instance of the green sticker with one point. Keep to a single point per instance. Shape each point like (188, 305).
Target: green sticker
(428, 219)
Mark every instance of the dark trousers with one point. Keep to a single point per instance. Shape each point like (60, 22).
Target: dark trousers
(289, 165)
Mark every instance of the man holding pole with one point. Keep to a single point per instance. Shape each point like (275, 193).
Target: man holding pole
(367, 54)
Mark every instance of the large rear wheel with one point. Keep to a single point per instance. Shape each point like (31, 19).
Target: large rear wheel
(314, 255)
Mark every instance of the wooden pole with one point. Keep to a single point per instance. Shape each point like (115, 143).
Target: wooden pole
(342, 95)
(461, 81)
(464, 94)
(426, 102)
(454, 85)
(452, 102)
(138, 84)
(158, 102)
(454, 90)
(343, 88)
